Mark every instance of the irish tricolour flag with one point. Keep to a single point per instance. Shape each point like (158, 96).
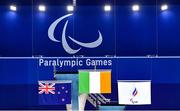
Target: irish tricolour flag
(94, 81)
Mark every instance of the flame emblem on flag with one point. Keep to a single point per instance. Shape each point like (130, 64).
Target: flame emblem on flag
(134, 94)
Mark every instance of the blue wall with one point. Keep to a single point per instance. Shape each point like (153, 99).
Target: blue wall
(125, 33)
(20, 77)
(150, 31)
(15, 32)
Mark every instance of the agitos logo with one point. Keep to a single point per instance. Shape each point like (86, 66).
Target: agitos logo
(65, 45)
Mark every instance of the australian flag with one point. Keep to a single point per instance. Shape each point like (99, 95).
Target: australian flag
(54, 92)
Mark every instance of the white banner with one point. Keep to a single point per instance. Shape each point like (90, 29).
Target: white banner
(134, 92)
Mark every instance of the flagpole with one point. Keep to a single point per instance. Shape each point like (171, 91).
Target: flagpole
(54, 71)
(95, 67)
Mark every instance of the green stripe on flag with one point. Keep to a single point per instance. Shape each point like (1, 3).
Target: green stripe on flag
(83, 82)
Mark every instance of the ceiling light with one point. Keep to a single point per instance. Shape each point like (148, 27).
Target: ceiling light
(70, 8)
(42, 8)
(164, 7)
(13, 8)
(135, 7)
(107, 8)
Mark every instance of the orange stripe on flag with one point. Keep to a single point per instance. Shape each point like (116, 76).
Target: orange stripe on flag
(105, 84)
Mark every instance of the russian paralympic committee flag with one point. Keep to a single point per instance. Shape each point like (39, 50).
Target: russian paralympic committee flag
(54, 92)
(94, 81)
(134, 92)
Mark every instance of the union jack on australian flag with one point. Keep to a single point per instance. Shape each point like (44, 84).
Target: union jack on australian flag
(54, 92)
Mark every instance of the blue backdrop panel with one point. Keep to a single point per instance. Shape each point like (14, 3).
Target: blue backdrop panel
(87, 21)
(133, 69)
(18, 71)
(136, 31)
(42, 45)
(125, 33)
(168, 33)
(165, 70)
(16, 31)
(20, 77)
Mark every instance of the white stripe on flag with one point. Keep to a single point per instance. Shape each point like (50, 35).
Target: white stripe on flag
(94, 82)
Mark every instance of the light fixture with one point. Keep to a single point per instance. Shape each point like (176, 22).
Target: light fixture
(42, 8)
(164, 7)
(13, 8)
(107, 8)
(135, 7)
(70, 8)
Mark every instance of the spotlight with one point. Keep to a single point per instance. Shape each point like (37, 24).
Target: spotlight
(42, 8)
(164, 7)
(70, 8)
(13, 8)
(107, 8)
(135, 7)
